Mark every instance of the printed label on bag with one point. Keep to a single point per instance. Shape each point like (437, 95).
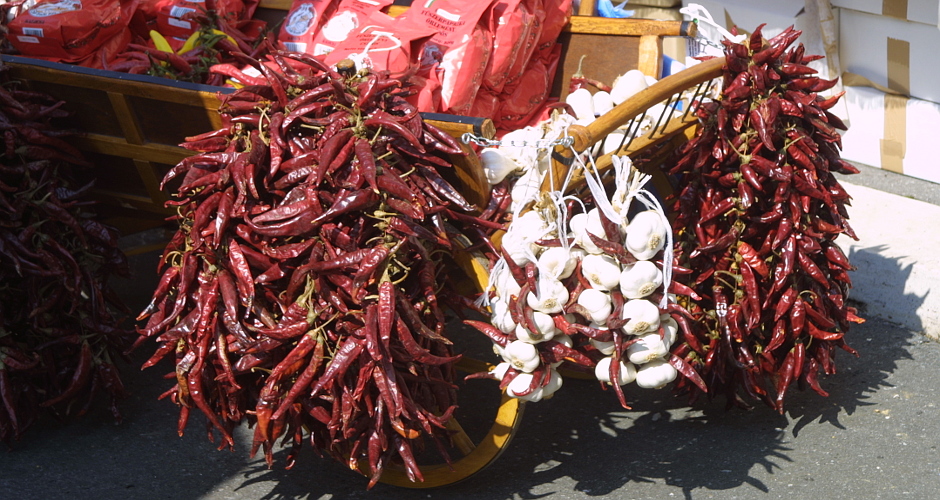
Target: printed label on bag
(27, 39)
(178, 12)
(179, 23)
(300, 21)
(37, 32)
(54, 8)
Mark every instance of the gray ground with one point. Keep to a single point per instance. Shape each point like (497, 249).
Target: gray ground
(875, 436)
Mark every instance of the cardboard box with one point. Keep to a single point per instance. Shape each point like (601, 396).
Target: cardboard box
(892, 132)
(893, 53)
(918, 11)
(776, 14)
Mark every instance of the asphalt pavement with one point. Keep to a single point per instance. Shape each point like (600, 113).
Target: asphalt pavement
(875, 436)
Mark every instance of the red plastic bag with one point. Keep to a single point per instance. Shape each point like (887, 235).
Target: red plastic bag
(384, 43)
(557, 13)
(302, 23)
(485, 105)
(530, 96)
(537, 13)
(513, 22)
(347, 17)
(68, 30)
(460, 50)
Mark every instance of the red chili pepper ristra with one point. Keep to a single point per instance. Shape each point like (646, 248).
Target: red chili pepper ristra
(322, 282)
(771, 206)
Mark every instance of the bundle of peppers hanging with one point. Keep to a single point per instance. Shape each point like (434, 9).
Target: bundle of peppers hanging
(305, 287)
(59, 335)
(756, 221)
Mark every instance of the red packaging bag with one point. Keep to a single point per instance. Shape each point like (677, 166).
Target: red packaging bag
(530, 44)
(557, 14)
(531, 94)
(345, 19)
(176, 18)
(513, 23)
(67, 30)
(302, 23)
(384, 43)
(459, 51)
(485, 104)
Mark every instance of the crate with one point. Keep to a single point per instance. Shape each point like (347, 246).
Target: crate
(131, 125)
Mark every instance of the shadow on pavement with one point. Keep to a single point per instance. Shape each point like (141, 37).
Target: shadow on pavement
(582, 436)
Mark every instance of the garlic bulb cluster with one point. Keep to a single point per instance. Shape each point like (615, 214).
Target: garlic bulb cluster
(586, 288)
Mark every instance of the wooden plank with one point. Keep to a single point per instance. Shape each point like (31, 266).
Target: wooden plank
(157, 153)
(130, 201)
(126, 118)
(457, 126)
(161, 89)
(629, 27)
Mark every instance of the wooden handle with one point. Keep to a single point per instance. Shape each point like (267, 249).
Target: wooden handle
(585, 137)
(646, 98)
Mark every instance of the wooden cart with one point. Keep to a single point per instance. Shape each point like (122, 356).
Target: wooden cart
(132, 126)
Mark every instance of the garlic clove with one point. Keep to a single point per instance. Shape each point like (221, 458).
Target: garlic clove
(642, 316)
(505, 284)
(545, 329)
(628, 84)
(502, 318)
(602, 102)
(655, 374)
(670, 330)
(602, 271)
(582, 103)
(527, 187)
(522, 356)
(496, 165)
(554, 383)
(627, 371)
(550, 296)
(557, 262)
(640, 279)
(613, 141)
(605, 348)
(647, 348)
(499, 371)
(521, 384)
(646, 235)
(597, 303)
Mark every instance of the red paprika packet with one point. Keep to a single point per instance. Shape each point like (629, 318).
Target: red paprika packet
(557, 13)
(460, 50)
(346, 18)
(302, 24)
(531, 94)
(68, 30)
(530, 44)
(512, 24)
(384, 43)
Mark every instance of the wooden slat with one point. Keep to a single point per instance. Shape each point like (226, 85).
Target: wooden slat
(125, 117)
(131, 201)
(157, 153)
(629, 27)
(112, 81)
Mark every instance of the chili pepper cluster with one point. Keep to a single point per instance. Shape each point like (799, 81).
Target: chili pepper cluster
(757, 216)
(305, 288)
(208, 56)
(59, 335)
